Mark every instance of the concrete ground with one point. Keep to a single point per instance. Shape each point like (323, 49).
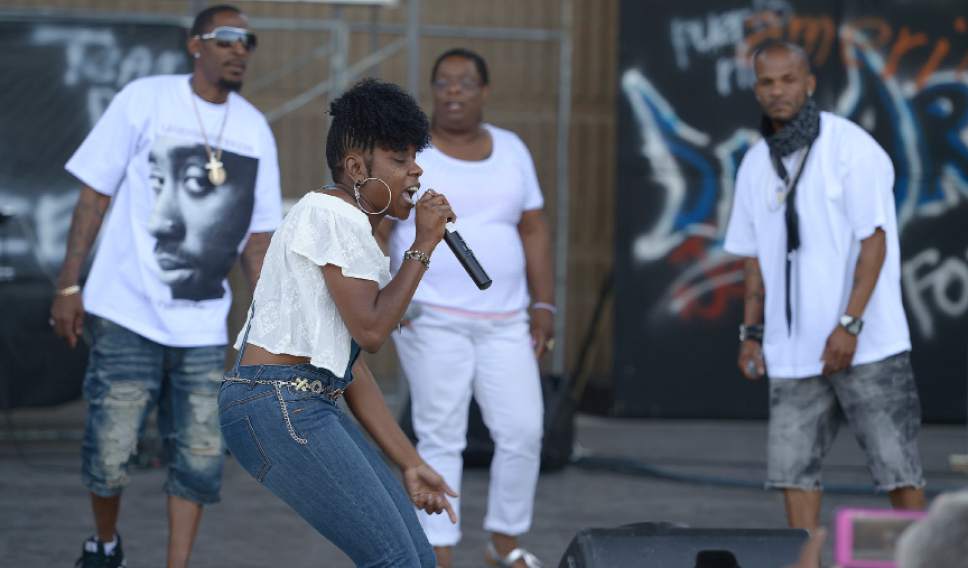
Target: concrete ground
(44, 513)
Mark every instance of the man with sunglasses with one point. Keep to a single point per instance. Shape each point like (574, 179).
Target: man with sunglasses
(191, 167)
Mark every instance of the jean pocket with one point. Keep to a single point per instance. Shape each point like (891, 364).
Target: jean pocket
(229, 400)
(242, 441)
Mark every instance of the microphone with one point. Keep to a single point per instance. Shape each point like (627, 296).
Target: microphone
(464, 255)
(467, 259)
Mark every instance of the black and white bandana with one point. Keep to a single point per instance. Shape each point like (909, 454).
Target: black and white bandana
(796, 134)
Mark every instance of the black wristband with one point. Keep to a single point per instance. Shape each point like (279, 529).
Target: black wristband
(751, 332)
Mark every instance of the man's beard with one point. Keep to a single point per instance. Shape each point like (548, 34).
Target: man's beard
(234, 86)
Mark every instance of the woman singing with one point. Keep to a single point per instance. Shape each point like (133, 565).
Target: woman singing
(325, 292)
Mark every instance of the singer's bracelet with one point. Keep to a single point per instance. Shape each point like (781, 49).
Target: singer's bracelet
(418, 255)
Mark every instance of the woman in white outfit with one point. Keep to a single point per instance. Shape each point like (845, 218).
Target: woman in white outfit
(461, 341)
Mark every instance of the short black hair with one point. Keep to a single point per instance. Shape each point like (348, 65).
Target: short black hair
(205, 18)
(774, 44)
(473, 56)
(374, 114)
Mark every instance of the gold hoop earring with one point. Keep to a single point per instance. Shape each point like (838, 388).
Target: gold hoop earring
(356, 193)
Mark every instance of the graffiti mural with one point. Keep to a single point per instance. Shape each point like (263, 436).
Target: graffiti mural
(58, 80)
(688, 116)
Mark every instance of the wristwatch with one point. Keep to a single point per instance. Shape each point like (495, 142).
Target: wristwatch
(754, 332)
(851, 324)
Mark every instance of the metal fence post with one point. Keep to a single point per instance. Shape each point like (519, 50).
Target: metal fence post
(561, 186)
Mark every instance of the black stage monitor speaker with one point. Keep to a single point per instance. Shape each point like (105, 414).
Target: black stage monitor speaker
(661, 545)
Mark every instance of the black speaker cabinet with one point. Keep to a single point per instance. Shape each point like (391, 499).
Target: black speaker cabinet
(663, 545)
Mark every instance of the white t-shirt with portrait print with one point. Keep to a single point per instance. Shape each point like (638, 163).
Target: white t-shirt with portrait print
(488, 196)
(846, 192)
(172, 235)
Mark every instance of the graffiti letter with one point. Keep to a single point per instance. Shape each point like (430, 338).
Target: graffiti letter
(92, 54)
(818, 35)
(906, 41)
(136, 64)
(915, 287)
(950, 276)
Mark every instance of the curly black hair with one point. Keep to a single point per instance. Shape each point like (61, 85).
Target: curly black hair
(374, 114)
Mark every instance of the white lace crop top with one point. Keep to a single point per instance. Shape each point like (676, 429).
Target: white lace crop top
(294, 313)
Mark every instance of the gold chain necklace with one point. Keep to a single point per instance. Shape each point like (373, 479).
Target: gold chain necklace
(216, 170)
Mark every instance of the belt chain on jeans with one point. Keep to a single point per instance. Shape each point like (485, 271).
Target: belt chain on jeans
(300, 384)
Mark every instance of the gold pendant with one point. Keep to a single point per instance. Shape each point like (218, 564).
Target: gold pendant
(216, 171)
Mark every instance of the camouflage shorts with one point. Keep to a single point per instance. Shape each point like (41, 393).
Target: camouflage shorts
(880, 402)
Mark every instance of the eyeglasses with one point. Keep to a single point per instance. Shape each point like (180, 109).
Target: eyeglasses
(226, 36)
(465, 83)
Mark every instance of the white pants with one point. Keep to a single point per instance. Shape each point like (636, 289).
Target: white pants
(447, 358)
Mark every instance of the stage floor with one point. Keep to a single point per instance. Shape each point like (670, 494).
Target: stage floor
(44, 512)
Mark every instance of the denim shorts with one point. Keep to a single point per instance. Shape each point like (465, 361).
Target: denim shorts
(128, 376)
(880, 402)
(295, 440)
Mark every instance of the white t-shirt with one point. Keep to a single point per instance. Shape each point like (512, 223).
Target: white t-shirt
(845, 193)
(294, 312)
(172, 236)
(488, 197)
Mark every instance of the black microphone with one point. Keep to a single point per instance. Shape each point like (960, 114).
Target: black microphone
(467, 259)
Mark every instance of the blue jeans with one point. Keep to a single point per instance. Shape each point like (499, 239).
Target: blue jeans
(127, 375)
(305, 450)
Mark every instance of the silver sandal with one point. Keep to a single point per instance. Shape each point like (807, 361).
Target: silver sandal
(495, 559)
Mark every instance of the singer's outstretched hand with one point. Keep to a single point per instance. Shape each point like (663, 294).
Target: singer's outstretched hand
(428, 490)
(433, 212)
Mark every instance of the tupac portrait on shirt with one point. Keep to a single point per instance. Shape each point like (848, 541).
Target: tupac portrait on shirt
(198, 226)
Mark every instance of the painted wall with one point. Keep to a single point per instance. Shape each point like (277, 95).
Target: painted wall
(686, 115)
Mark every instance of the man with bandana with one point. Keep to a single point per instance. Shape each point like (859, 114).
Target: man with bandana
(814, 217)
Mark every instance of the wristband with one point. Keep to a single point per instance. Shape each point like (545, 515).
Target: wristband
(544, 306)
(69, 291)
(751, 332)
